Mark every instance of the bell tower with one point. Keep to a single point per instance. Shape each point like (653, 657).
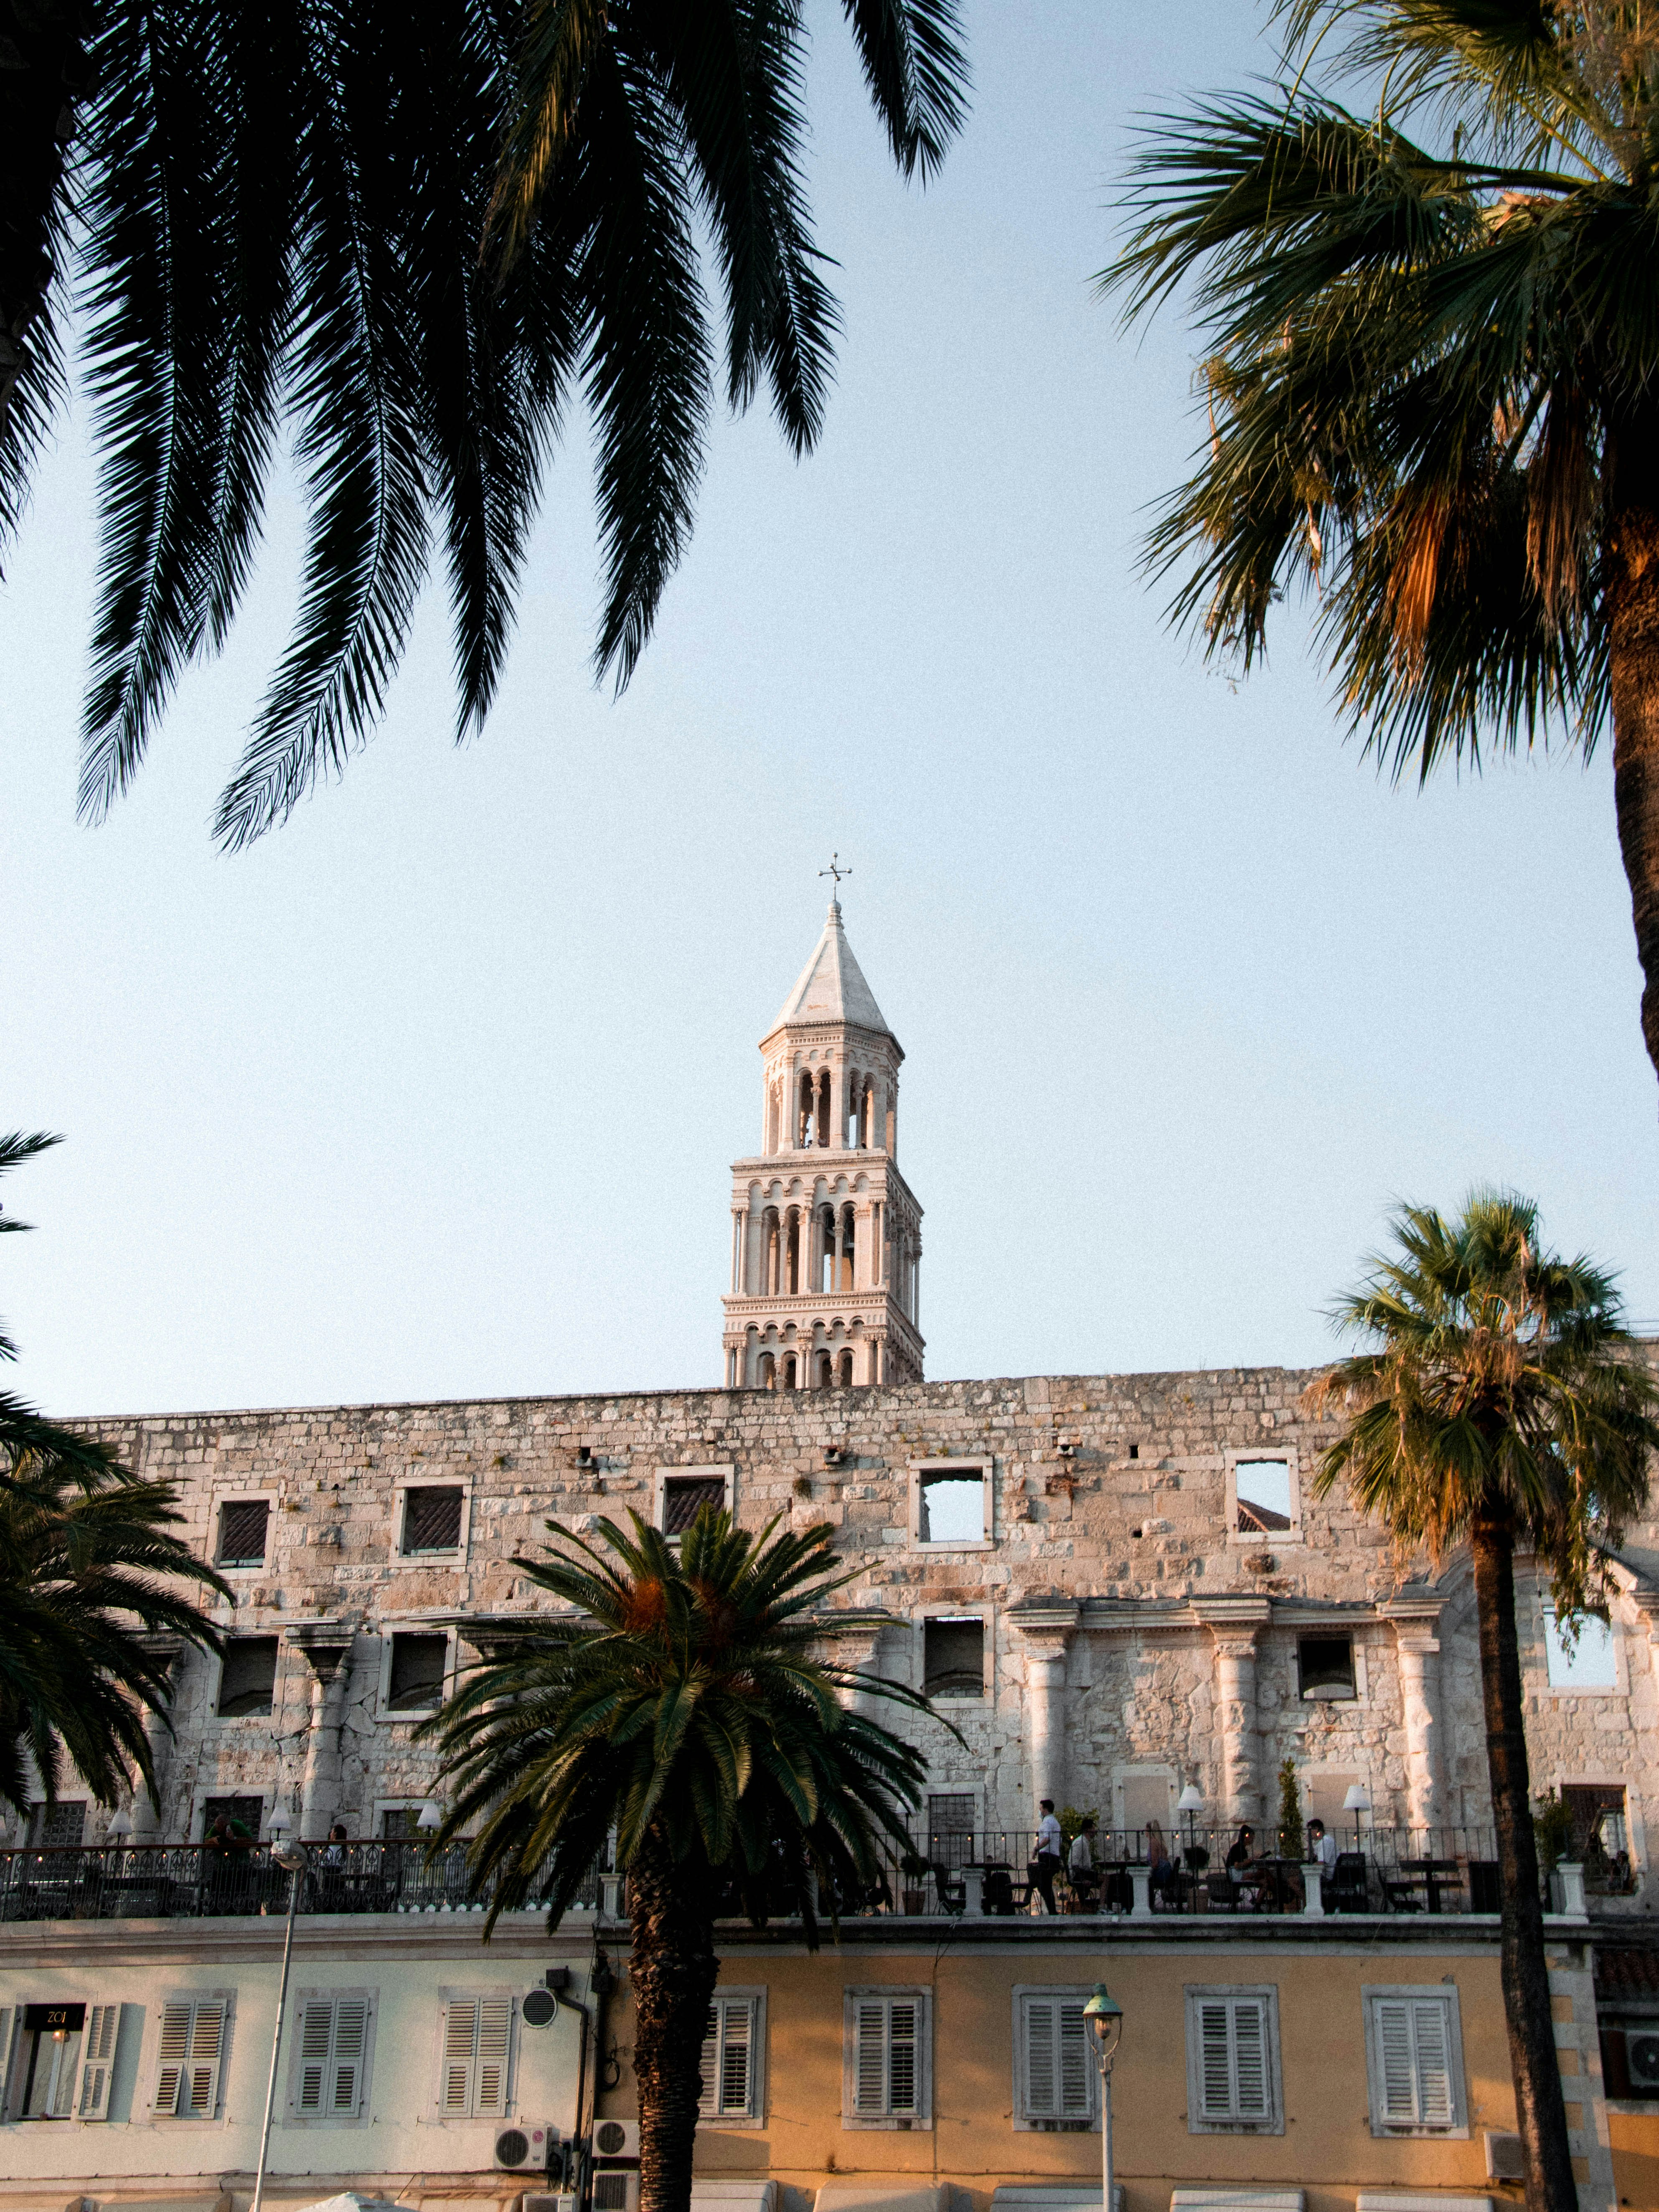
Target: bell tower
(826, 1237)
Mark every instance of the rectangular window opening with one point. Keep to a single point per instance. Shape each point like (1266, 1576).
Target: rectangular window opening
(1415, 2061)
(243, 1524)
(684, 1496)
(1589, 1665)
(1058, 2077)
(886, 2058)
(951, 1829)
(61, 1826)
(729, 2056)
(247, 1678)
(246, 1813)
(417, 1681)
(46, 2066)
(1262, 1490)
(953, 1657)
(1232, 2062)
(432, 1521)
(951, 1507)
(1325, 1666)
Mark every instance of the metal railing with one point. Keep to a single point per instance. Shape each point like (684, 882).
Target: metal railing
(188, 1881)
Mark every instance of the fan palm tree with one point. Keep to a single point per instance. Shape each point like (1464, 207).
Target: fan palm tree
(88, 1569)
(1499, 1403)
(676, 1702)
(1433, 376)
(24, 1434)
(411, 243)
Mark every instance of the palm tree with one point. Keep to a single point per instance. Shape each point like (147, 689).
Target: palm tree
(1430, 369)
(88, 1569)
(413, 242)
(1500, 1403)
(675, 1702)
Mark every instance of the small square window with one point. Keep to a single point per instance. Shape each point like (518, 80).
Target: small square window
(684, 1496)
(1590, 1665)
(1263, 1500)
(887, 2059)
(952, 1502)
(397, 1823)
(1232, 2062)
(247, 1678)
(432, 1521)
(953, 1657)
(1414, 2061)
(243, 1525)
(416, 1684)
(1325, 1666)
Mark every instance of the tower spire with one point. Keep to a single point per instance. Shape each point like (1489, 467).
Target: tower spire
(826, 1241)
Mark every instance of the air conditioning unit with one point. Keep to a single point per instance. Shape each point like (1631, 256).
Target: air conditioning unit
(535, 2200)
(1505, 2159)
(615, 2139)
(616, 2189)
(1641, 2058)
(524, 2149)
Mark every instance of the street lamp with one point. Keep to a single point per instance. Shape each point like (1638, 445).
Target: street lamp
(1105, 2017)
(1357, 1801)
(291, 1857)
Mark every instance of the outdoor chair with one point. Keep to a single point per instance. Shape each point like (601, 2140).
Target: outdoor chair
(1349, 1885)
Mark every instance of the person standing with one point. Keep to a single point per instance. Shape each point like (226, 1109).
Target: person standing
(1322, 1848)
(1046, 1865)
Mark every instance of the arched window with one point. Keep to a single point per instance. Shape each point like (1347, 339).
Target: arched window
(823, 1107)
(788, 1371)
(804, 1111)
(845, 1375)
(767, 1377)
(825, 1371)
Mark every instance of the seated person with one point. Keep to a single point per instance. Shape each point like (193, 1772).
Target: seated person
(1080, 1863)
(1241, 1858)
(1162, 1865)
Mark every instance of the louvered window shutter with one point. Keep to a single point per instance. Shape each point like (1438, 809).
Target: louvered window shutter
(5, 2054)
(494, 2036)
(460, 2039)
(316, 2032)
(709, 2102)
(737, 2031)
(1042, 2074)
(1234, 2076)
(200, 2096)
(902, 2071)
(1215, 2061)
(1393, 2037)
(1413, 2041)
(870, 2058)
(1435, 2104)
(350, 2044)
(1077, 2070)
(98, 2061)
(171, 2053)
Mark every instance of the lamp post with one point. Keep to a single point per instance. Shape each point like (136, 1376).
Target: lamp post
(291, 1857)
(1104, 2015)
(1357, 1801)
(1190, 1800)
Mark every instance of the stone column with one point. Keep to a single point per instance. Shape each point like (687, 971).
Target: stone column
(1419, 1697)
(854, 1639)
(1241, 1738)
(1048, 1631)
(146, 1816)
(327, 1647)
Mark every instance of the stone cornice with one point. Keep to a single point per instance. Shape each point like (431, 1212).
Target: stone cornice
(258, 1940)
(1043, 1616)
(1239, 1615)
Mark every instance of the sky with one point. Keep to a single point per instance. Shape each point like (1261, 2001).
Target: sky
(433, 1093)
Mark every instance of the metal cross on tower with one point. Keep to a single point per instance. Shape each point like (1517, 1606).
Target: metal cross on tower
(837, 872)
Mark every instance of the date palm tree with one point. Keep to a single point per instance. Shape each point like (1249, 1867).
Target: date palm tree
(1499, 1403)
(413, 242)
(90, 1569)
(1432, 375)
(676, 1702)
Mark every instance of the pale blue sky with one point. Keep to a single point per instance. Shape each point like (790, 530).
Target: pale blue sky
(433, 1093)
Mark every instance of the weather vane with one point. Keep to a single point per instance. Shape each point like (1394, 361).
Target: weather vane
(832, 870)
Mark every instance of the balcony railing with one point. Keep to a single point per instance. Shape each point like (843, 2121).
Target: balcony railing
(189, 1881)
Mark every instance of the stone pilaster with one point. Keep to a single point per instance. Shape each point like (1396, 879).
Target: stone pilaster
(1235, 1624)
(327, 1647)
(1046, 1630)
(1417, 1652)
(147, 1816)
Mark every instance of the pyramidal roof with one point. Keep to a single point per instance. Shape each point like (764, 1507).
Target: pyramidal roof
(831, 986)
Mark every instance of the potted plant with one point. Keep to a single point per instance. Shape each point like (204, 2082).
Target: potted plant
(917, 1869)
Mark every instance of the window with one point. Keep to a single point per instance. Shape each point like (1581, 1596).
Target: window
(330, 2066)
(397, 1822)
(103, 2033)
(247, 1677)
(189, 2053)
(432, 1521)
(1599, 1829)
(1324, 1666)
(243, 1524)
(886, 2080)
(1263, 1505)
(1054, 2086)
(1232, 2062)
(951, 1829)
(60, 1826)
(478, 2048)
(950, 1502)
(414, 1683)
(732, 2052)
(249, 1811)
(1414, 2061)
(953, 1656)
(683, 1492)
(1591, 1664)
(54, 2075)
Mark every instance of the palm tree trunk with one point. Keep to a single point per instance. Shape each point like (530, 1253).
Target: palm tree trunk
(44, 79)
(1543, 2119)
(1634, 681)
(672, 1971)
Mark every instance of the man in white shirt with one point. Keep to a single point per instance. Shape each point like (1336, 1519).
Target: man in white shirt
(1046, 1865)
(1322, 1848)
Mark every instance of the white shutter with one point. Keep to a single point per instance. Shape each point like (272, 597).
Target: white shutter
(460, 2039)
(316, 2033)
(494, 2040)
(350, 2047)
(904, 2070)
(1077, 2066)
(1250, 2059)
(1215, 2061)
(1414, 2061)
(709, 2068)
(98, 2061)
(200, 2094)
(1436, 2107)
(870, 2058)
(1042, 2072)
(727, 2065)
(172, 2050)
(1394, 2041)
(1235, 2070)
(67, 2077)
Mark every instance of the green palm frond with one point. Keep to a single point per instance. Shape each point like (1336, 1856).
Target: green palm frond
(1497, 1381)
(679, 1697)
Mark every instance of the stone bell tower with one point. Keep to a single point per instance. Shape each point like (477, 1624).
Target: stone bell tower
(826, 1237)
